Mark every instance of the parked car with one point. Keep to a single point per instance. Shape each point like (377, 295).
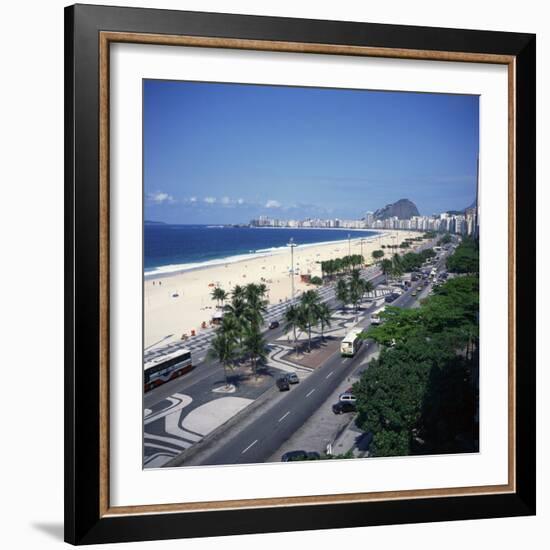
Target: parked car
(291, 456)
(282, 383)
(343, 407)
(347, 397)
(274, 324)
(390, 298)
(292, 378)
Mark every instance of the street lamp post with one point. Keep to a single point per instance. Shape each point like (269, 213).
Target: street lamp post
(292, 244)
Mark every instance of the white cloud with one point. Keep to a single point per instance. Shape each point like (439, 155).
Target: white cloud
(193, 199)
(159, 197)
(272, 204)
(223, 201)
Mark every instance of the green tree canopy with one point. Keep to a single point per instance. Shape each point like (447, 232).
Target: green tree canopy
(465, 258)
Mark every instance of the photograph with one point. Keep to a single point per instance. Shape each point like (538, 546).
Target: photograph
(310, 273)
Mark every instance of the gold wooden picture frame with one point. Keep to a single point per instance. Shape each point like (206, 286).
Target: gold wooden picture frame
(90, 517)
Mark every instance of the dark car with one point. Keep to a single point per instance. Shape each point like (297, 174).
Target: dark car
(292, 378)
(414, 278)
(282, 383)
(274, 324)
(292, 456)
(343, 407)
(390, 298)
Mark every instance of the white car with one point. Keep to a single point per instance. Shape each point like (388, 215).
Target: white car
(347, 397)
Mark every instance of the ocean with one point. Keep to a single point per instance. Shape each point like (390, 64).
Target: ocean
(171, 248)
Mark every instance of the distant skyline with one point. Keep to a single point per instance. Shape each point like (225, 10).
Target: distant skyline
(227, 153)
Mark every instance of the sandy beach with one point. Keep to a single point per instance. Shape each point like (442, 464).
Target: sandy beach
(179, 303)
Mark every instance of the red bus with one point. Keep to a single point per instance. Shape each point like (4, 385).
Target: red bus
(161, 369)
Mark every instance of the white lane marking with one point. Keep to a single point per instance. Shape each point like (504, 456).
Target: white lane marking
(308, 394)
(284, 416)
(329, 374)
(251, 445)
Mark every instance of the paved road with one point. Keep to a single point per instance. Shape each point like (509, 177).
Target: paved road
(171, 424)
(167, 407)
(259, 440)
(263, 437)
(208, 372)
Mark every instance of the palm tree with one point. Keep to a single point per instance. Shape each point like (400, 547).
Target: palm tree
(223, 296)
(338, 265)
(292, 322)
(309, 301)
(397, 265)
(218, 294)
(237, 309)
(324, 317)
(230, 325)
(238, 293)
(254, 345)
(256, 305)
(223, 348)
(387, 268)
(342, 292)
(355, 288)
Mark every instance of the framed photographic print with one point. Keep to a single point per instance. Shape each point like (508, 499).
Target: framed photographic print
(299, 274)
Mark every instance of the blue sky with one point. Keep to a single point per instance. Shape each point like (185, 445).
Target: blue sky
(226, 153)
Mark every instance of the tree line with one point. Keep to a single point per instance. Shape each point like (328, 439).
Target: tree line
(465, 258)
(352, 289)
(421, 394)
(411, 261)
(339, 266)
(307, 313)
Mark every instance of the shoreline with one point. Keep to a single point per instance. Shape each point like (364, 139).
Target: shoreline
(176, 303)
(236, 258)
